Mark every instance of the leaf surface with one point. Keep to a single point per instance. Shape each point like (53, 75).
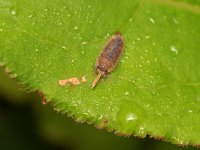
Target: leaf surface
(154, 90)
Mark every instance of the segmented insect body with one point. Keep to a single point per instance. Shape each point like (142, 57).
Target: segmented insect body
(109, 57)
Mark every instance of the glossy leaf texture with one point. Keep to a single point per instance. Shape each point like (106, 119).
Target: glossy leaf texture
(154, 90)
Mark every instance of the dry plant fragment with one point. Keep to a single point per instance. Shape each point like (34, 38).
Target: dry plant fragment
(44, 100)
(83, 79)
(73, 81)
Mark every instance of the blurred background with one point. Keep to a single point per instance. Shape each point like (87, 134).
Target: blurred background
(26, 124)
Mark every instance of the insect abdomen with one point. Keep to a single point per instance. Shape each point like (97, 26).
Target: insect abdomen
(110, 54)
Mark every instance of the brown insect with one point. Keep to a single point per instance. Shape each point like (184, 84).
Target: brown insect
(109, 57)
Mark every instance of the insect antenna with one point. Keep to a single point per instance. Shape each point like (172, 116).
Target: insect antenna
(96, 80)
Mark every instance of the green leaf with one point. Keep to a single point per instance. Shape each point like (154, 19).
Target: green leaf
(155, 88)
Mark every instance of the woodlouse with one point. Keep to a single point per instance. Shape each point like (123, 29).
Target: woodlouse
(109, 57)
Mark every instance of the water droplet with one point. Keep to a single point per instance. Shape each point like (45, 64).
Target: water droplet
(152, 20)
(170, 68)
(175, 21)
(36, 50)
(159, 114)
(13, 12)
(141, 131)
(131, 19)
(126, 93)
(100, 117)
(131, 117)
(64, 47)
(190, 111)
(75, 28)
(174, 49)
(147, 37)
(177, 94)
(82, 52)
(86, 113)
(122, 61)
(84, 43)
(1, 29)
(30, 16)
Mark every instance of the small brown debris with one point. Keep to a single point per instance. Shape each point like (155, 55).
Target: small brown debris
(83, 79)
(73, 81)
(103, 124)
(158, 138)
(122, 134)
(44, 100)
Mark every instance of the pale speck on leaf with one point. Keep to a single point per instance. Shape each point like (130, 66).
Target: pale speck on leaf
(174, 49)
(152, 20)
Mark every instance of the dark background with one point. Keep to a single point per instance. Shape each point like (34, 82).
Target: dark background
(26, 124)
